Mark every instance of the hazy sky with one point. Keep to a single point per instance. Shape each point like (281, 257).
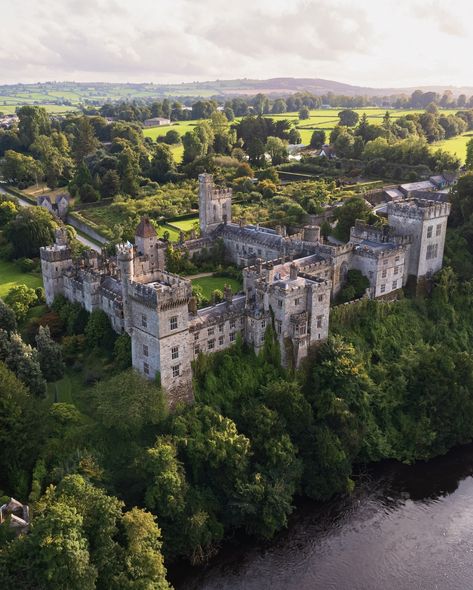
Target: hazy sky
(366, 42)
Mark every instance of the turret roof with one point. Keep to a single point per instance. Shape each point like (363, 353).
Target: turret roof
(145, 228)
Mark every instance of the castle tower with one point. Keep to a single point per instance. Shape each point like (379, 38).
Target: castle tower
(215, 205)
(125, 257)
(160, 333)
(149, 245)
(426, 224)
(55, 260)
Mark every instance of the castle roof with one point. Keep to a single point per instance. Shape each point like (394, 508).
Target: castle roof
(145, 228)
(253, 235)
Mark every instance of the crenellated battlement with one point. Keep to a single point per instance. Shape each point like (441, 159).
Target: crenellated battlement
(419, 209)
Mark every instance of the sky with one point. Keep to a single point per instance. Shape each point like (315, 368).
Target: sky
(377, 43)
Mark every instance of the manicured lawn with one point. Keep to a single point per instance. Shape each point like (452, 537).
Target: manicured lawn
(11, 275)
(186, 224)
(209, 284)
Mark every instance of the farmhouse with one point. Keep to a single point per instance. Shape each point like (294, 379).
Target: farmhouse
(156, 122)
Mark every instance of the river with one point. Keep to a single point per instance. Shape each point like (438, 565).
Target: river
(404, 528)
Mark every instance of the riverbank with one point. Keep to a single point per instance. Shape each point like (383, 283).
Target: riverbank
(404, 527)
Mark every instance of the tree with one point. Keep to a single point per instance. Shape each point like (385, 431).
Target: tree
(34, 121)
(32, 228)
(23, 361)
(84, 142)
(61, 553)
(20, 433)
(162, 163)
(279, 106)
(304, 113)
(294, 136)
(469, 155)
(122, 352)
(318, 139)
(193, 147)
(20, 169)
(54, 154)
(88, 194)
(7, 318)
(99, 331)
(20, 298)
(277, 149)
(348, 118)
(49, 355)
(172, 137)
(110, 184)
(346, 215)
(126, 403)
(8, 210)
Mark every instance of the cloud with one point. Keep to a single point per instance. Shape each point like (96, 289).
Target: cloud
(371, 42)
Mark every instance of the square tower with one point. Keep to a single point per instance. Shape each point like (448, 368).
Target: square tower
(215, 205)
(426, 224)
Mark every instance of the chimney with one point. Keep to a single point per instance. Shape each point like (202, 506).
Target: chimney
(227, 293)
(258, 265)
(293, 272)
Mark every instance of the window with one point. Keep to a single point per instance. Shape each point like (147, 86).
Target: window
(232, 336)
(396, 270)
(220, 328)
(385, 261)
(220, 340)
(394, 284)
(145, 350)
(397, 259)
(211, 331)
(432, 251)
(196, 335)
(232, 324)
(429, 231)
(176, 371)
(211, 344)
(263, 324)
(321, 298)
(319, 321)
(279, 327)
(384, 273)
(144, 321)
(383, 288)
(173, 322)
(279, 302)
(438, 229)
(146, 368)
(175, 352)
(301, 330)
(297, 301)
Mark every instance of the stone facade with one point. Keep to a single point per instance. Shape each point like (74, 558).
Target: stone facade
(289, 282)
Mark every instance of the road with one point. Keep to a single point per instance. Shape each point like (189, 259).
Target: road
(82, 239)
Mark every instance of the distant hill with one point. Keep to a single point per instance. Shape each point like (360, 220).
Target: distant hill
(317, 86)
(69, 94)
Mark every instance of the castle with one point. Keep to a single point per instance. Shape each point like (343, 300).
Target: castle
(288, 282)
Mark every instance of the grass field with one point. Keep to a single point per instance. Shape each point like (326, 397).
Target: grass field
(456, 145)
(9, 109)
(65, 389)
(186, 224)
(10, 276)
(209, 284)
(325, 119)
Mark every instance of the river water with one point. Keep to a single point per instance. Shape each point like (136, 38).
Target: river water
(404, 528)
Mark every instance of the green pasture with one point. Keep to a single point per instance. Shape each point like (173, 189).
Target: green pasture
(209, 284)
(456, 145)
(11, 276)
